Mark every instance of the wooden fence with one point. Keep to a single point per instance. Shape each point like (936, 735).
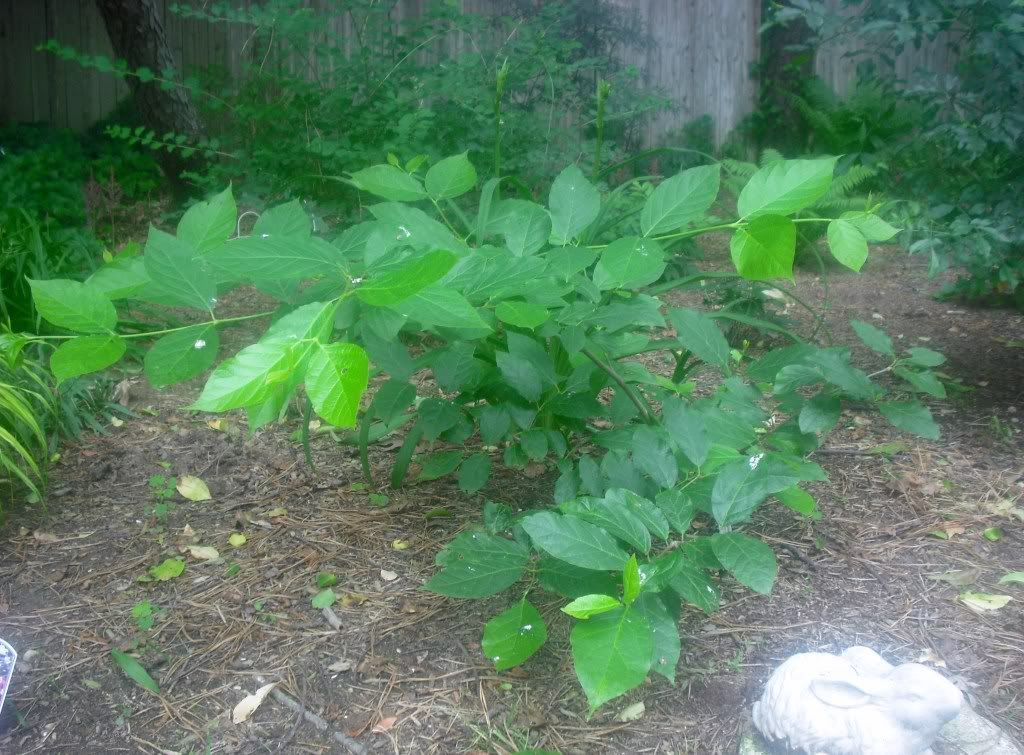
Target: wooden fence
(701, 54)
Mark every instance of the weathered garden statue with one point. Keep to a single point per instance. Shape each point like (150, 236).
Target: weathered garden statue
(855, 704)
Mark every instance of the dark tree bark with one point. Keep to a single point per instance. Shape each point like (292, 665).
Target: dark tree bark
(137, 36)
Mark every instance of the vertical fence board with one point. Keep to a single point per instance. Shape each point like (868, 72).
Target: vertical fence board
(699, 53)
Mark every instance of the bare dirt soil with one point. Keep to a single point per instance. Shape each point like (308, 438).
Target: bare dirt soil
(395, 669)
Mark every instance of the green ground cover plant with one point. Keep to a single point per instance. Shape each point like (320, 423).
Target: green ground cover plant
(537, 322)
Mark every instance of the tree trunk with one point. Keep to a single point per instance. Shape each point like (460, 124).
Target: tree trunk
(787, 62)
(137, 36)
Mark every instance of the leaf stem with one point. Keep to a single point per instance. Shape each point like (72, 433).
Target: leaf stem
(165, 331)
(639, 403)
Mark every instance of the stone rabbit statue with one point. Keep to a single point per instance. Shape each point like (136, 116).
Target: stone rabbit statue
(855, 704)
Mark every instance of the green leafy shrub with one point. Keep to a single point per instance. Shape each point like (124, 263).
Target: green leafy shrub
(518, 95)
(960, 167)
(533, 322)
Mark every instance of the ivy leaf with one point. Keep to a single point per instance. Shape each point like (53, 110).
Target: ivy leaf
(785, 187)
(207, 225)
(612, 653)
(521, 314)
(574, 204)
(182, 355)
(390, 183)
(629, 262)
(85, 354)
(847, 244)
(336, 378)
(912, 416)
(177, 276)
(748, 559)
(681, 199)
(875, 339)
(574, 541)
(451, 177)
(698, 333)
(477, 565)
(513, 635)
(586, 606)
(764, 248)
(399, 284)
(79, 307)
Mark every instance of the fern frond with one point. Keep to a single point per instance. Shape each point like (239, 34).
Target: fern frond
(770, 157)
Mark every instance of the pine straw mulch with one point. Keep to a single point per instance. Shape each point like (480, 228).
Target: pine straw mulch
(394, 669)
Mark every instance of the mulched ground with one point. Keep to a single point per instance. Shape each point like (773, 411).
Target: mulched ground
(395, 669)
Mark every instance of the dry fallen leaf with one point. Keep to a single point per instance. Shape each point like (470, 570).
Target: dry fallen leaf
(400, 545)
(350, 599)
(250, 703)
(534, 469)
(982, 601)
(960, 578)
(340, 666)
(214, 424)
(45, 537)
(237, 539)
(632, 712)
(193, 488)
(929, 656)
(203, 552)
(275, 513)
(187, 531)
(388, 576)
(385, 724)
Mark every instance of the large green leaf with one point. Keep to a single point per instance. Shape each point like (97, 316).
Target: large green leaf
(586, 606)
(694, 585)
(687, 430)
(749, 560)
(521, 314)
(276, 258)
(389, 182)
(651, 453)
(820, 414)
(134, 670)
(680, 200)
(520, 374)
(182, 355)
(923, 357)
(664, 633)
(612, 653)
(785, 187)
(474, 473)
(76, 306)
(873, 338)
(847, 244)
(439, 307)
(451, 177)
(513, 635)
(257, 372)
(207, 225)
(85, 354)
(413, 276)
(698, 333)
(629, 262)
(406, 225)
(288, 219)
(834, 365)
(178, 277)
(457, 367)
(122, 278)
(572, 581)
(912, 416)
(525, 226)
(925, 381)
(574, 541)
(336, 379)
(613, 518)
(873, 227)
(574, 204)
(743, 484)
(764, 248)
(477, 565)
